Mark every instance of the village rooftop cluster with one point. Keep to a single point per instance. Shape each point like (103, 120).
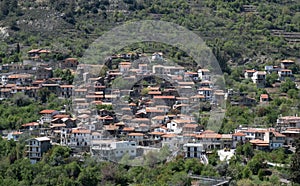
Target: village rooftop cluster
(109, 120)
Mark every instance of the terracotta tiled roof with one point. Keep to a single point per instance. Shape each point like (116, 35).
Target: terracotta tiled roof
(261, 72)
(71, 59)
(120, 124)
(154, 110)
(158, 118)
(135, 134)
(105, 117)
(154, 92)
(128, 129)
(140, 119)
(58, 125)
(238, 134)
(81, 130)
(208, 132)
(30, 124)
(277, 134)
(190, 126)
(191, 72)
(290, 118)
(286, 70)
(17, 76)
(198, 96)
(47, 111)
(190, 135)
(204, 88)
(66, 86)
(169, 135)
(111, 127)
(181, 121)
(210, 135)
(259, 142)
(154, 88)
(287, 61)
(80, 90)
(164, 97)
(264, 96)
(34, 50)
(44, 51)
(61, 116)
(124, 63)
(157, 133)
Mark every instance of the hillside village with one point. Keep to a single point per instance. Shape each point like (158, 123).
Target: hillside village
(112, 117)
(149, 113)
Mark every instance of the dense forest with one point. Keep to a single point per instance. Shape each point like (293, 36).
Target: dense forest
(238, 31)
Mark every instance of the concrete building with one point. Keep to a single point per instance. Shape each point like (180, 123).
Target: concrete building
(249, 74)
(259, 78)
(36, 147)
(113, 150)
(284, 74)
(286, 122)
(286, 63)
(47, 115)
(193, 150)
(237, 138)
(204, 74)
(76, 137)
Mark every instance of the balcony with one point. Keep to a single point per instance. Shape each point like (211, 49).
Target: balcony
(34, 155)
(33, 151)
(33, 145)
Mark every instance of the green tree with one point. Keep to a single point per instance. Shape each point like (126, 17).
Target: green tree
(58, 155)
(144, 91)
(295, 164)
(246, 172)
(43, 94)
(287, 85)
(248, 150)
(293, 93)
(260, 174)
(193, 165)
(20, 100)
(73, 169)
(256, 163)
(214, 158)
